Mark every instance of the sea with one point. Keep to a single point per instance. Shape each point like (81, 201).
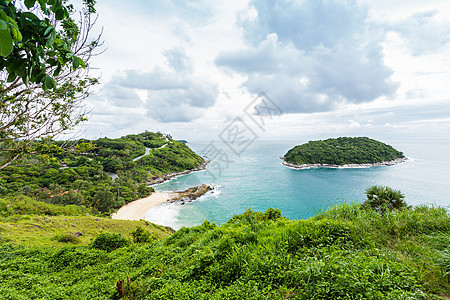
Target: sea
(252, 177)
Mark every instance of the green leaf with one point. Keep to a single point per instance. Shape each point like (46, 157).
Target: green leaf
(82, 63)
(47, 30)
(59, 15)
(47, 82)
(6, 43)
(11, 77)
(75, 62)
(25, 80)
(29, 3)
(57, 70)
(3, 25)
(3, 16)
(30, 15)
(16, 34)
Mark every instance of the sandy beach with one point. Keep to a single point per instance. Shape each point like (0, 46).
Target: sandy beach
(136, 210)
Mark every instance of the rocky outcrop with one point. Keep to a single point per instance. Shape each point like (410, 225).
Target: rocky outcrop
(191, 194)
(314, 166)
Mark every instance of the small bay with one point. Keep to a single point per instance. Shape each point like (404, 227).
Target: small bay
(257, 180)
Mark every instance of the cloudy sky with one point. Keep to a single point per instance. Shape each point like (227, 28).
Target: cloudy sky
(331, 68)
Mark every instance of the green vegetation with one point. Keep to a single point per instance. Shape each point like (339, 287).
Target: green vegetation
(345, 252)
(340, 151)
(26, 221)
(78, 174)
(45, 47)
(382, 198)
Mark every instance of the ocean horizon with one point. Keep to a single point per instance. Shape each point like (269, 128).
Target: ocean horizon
(254, 178)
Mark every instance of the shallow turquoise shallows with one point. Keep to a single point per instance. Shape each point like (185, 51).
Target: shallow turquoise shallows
(256, 179)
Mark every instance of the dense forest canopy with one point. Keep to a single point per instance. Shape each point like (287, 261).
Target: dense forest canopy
(82, 173)
(341, 151)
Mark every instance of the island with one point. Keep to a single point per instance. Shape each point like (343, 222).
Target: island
(349, 152)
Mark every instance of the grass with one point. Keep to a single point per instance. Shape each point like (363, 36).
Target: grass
(345, 252)
(50, 230)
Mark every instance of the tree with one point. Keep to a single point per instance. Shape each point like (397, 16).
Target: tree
(381, 198)
(44, 71)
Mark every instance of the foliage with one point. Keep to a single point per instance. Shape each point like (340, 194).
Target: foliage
(108, 241)
(23, 205)
(141, 236)
(44, 72)
(66, 238)
(46, 225)
(345, 252)
(77, 175)
(340, 151)
(382, 198)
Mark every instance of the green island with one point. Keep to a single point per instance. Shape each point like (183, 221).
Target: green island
(102, 174)
(343, 151)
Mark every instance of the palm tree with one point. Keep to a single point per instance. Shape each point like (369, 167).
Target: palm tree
(383, 198)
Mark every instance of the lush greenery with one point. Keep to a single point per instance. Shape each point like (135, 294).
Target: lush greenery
(45, 46)
(79, 174)
(340, 151)
(345, 252)
(26, 221)
(382, 198)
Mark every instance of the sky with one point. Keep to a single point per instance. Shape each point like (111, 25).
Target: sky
(284, 70)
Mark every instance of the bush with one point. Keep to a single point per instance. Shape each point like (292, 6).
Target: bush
(141, 236)
(66, 238)
(382, 198)
(108, 241)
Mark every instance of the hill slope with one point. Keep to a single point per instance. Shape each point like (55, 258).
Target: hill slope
(345, 252)
(103, 174)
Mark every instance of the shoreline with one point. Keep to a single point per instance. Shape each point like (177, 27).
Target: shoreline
(170, 176)
(135, 210)
(346, 166)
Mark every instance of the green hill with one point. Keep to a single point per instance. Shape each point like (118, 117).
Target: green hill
(341, 151)
(346, 252)
(102, 174)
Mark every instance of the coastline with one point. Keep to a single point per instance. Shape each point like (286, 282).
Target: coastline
(331, 166)
(170, 176)
(136, 210)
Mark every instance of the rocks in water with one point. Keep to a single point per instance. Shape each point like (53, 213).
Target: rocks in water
(191, 193)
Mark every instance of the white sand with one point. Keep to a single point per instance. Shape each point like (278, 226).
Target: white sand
(136, 210)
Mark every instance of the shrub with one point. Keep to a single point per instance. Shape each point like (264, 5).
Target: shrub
(381, 198)
(141, 236)
(66, 238)
(109, 241)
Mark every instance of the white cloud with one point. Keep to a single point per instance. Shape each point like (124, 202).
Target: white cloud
(189, 67)
(326, 44)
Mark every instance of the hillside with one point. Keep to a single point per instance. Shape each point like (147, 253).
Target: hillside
(26, 221)
(346, 252)
(342, 151)
(101, 174)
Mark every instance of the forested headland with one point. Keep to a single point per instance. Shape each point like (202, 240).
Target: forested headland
(101, 174)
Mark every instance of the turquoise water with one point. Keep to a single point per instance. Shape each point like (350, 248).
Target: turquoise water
(257, 180)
